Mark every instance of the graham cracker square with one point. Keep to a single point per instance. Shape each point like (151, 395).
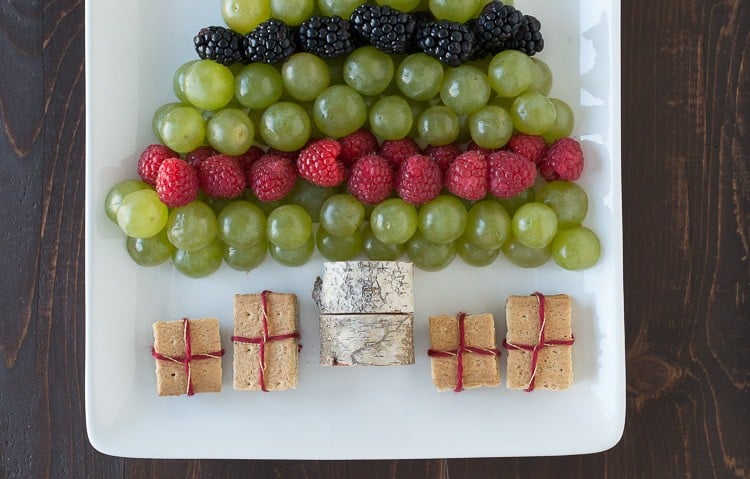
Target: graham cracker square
(281, 356)
(169, 341)
(554, 363)
(479, 370)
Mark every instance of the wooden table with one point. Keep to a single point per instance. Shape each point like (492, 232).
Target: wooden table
(686, 186)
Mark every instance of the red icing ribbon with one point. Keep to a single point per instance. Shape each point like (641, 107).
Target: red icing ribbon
(262, 340)
(541, 343)
(459, 353)
(189, 357)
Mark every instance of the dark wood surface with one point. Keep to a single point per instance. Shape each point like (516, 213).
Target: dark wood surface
(686, 187)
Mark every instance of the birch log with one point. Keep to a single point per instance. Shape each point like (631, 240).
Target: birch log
(366, 340)
(363, 287)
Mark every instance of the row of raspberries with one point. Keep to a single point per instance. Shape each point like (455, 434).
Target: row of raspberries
(370, 170)
(499, 27)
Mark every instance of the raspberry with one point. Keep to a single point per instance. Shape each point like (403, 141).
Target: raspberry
(509, 174)
(533, 148)
(272, 177)
(418, 180)
(151, 159)
(291, 155)
(247, 159)
(443, 155)
(471, 146)
(371, 179)
(195, 157)
(547, 172)
(177, 182)
(221, 177)
(565, 159)
(356, 145)
(396, 151)
(467, 176)
(318, 163)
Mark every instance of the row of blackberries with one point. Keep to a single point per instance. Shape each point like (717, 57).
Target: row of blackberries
(499, 27)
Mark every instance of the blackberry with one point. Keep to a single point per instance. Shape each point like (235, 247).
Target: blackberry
(449, 42)
(326, 37)
(270, 42)
(421, 18)
(495, 28)
(220, 45)
(388, 29)
(528, 36)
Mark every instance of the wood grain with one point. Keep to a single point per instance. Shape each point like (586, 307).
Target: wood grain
(686, 181)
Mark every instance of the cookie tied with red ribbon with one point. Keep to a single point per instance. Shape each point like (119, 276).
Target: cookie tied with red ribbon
(463, 353)
(539, 342)
(266, 342)
(188, 356)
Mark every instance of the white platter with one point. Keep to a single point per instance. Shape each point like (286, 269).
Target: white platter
(132, 50)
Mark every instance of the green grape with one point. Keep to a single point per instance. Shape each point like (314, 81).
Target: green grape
(443, 220)
(216, 204)
(542, 80)
(241, 224)
(390, 118)
(376, 250)
(534, 225)
(209, 85)
(488, 225)
(178, 81)
(458, 11)
(199, 263)
(142, 214)
(568, 200)
(533, 113)
(394, 221)
(524, 256)
(285, 126)
(341, 8)
(244, 15)
(292, 12)
(230, 131)
(438, 125)
(305, 76)
(417, 107)
(247, 258)
(335, 248)
(342, 215)
(491, 127)
(158, 118)
(336, 69)
(474, 255)
(339, 111)
(504, 102)
(151, 251)
(511, 73)
(402, 5)
(183, 129)
(295, 256)
(258, 86)
(419, 77)
(512, 204)
(311, 197)
(192, 227)
(429, 256)
(564, 120)
(288, 227)
(465, 89)
(117, 193)
(368, 70)
(576, 248)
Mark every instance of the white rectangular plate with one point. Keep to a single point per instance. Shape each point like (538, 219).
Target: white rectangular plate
(132, 50)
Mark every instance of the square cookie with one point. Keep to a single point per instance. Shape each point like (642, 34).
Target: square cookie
(280, 348)
(203, 370)
(479, 358)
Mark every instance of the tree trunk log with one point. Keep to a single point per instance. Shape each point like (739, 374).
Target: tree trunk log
(366, 340)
